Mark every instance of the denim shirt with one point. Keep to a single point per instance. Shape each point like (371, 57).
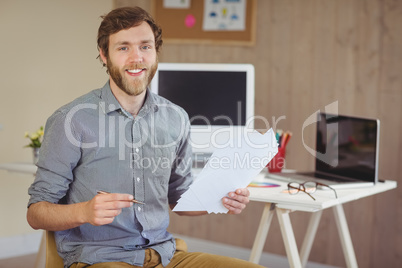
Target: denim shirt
(93, 144)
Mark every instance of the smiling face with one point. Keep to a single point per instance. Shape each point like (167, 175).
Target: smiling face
(132, 59)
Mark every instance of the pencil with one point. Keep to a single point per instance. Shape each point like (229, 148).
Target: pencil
(289, 135)
(133, 200)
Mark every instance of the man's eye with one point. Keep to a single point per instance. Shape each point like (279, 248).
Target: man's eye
(145, 47)
(123, 48)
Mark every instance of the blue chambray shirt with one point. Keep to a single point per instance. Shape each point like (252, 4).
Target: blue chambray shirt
(93, 144)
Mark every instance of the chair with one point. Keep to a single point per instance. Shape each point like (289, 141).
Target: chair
(53, 260)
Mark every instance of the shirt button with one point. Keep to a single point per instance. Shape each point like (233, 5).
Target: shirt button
(137, 150)
(139, 208)
(138, 179)
(144, 234)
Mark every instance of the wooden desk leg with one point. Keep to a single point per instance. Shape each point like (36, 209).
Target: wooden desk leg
(309, 237)
(344, 235)
(288, 238)
(262, 232)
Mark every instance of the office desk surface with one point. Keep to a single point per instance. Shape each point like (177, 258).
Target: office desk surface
(19, 167)
(284, 203)
(302, 202)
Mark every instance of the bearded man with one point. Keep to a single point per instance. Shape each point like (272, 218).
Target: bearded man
(115, 160)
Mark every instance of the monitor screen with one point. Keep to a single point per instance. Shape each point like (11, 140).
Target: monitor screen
(209, 97)
(215, 96)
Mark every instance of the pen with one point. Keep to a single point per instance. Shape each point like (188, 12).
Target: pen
(133, 200)
(279, 137)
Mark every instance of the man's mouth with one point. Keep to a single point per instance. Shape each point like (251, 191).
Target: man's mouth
(135, 71)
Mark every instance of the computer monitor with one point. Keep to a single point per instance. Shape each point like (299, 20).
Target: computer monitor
(219, 99)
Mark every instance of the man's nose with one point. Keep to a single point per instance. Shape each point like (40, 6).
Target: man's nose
(136, 56)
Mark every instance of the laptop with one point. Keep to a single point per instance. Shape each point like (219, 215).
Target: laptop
(346, 153)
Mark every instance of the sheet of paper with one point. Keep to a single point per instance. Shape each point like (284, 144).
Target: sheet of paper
(224, 15)
(228, 169)
(181, 4)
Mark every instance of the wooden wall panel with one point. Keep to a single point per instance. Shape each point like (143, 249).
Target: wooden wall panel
(309, 54)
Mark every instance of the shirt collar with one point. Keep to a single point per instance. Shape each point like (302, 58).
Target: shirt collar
(109, 102)
(150, 102)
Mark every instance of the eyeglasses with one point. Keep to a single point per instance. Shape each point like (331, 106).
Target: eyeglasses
(308, 187)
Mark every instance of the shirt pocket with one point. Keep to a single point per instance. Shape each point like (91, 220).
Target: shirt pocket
(163, 162)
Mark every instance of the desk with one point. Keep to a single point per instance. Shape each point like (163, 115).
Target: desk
(19, 167)
(29, 169)
(283, 204)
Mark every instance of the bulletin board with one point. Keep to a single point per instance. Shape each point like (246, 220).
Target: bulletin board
(177, 29)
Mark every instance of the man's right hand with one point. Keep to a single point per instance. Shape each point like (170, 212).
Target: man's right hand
(100, 210)
(103, 208)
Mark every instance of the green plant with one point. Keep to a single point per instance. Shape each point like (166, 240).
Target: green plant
(35, 138)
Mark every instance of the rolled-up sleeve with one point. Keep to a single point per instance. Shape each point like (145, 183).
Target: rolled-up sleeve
(59, 154)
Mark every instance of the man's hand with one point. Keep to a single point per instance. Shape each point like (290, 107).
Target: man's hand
(103, 208)
(100, 210)
(236, 201)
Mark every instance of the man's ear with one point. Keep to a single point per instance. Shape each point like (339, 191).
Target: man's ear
(103, 56)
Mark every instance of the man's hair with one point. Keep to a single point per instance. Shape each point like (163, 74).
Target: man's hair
(125, 18)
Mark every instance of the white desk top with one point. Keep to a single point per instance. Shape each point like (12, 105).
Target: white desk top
(19, 167)
(302, 202)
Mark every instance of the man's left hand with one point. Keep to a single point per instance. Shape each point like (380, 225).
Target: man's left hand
(236, 201)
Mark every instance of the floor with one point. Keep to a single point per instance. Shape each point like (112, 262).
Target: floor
(26, 261)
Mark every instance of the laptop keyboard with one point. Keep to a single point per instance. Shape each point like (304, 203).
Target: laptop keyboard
(327, 177)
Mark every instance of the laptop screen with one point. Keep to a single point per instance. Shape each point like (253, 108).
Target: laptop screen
(347, 146)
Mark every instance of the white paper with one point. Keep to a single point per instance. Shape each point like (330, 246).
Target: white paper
(224, 15)
(228, 169)
(180, 4)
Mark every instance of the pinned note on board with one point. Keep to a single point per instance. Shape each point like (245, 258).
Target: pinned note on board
(178, 4)
(224, 15)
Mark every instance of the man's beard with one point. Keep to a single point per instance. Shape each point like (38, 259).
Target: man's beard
(134, 86)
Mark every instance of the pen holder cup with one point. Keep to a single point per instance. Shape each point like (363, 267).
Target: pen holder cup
(278, 162)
